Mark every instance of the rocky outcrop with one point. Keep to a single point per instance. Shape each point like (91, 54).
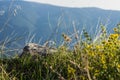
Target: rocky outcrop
(35, 49)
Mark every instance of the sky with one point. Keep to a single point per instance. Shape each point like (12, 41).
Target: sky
(104, 4)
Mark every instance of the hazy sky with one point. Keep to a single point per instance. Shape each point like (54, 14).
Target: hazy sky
(105, 4)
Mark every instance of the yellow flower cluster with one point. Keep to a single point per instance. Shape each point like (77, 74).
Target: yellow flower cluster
(113, 36)
(105, 55)
(100, 57)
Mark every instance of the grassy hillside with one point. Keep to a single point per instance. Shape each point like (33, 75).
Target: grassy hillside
(86, 60)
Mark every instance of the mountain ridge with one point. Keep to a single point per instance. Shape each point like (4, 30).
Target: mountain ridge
(42, 19)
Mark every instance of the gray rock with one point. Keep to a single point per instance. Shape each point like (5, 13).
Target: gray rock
(35, 49)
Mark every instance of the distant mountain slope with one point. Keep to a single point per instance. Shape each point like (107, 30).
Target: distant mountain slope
(24, 18)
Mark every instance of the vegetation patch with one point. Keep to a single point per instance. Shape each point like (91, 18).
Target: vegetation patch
(87, 60)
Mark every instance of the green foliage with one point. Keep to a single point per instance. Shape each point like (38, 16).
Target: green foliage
(86, 61)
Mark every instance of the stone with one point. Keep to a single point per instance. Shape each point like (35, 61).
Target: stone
(36, 49)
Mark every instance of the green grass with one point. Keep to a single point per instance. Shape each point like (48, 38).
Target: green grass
(87, 60)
